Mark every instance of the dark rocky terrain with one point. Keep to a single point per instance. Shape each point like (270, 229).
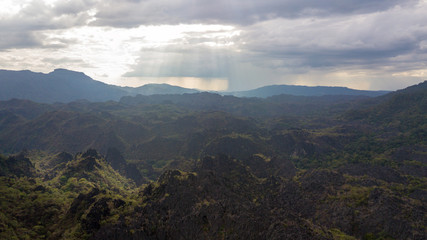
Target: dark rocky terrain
(205, 166)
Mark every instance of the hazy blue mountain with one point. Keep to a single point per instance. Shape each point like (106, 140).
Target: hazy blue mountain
(58, 86)
(63, 85)
(273, 90)
(152, 89)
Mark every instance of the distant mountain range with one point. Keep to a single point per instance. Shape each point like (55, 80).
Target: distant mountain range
(63, 85)
(273, 90)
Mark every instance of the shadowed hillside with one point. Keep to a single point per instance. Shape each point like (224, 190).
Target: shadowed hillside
(206, 166)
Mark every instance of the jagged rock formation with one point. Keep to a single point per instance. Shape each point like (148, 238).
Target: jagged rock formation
(17, 165)
(116, 160)
(223, 200)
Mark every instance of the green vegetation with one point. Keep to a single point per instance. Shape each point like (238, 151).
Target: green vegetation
(338, 235)
(204, 166)
(38, 208)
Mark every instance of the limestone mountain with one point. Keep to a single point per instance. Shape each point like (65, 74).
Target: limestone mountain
(207, 166)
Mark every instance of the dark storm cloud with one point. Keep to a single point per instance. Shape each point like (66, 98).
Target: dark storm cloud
(149, 12)
(368, 40)
(39, 16)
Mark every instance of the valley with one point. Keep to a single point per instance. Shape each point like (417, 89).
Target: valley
(209, 166)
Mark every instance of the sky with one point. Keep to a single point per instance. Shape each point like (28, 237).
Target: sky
(222, 44)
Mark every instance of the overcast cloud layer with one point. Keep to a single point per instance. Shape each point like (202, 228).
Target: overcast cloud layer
(223, 44)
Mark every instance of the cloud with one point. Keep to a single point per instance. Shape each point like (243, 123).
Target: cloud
(37, 15)
(182, 61)
(366, 40)
(24, 27)
(73, 7)
(18, 40)
(65, 61)
(157, 12)
(242, 43)
(187, 51)
(374, 46)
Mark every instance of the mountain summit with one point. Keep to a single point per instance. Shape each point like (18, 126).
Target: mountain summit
(58, 86)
